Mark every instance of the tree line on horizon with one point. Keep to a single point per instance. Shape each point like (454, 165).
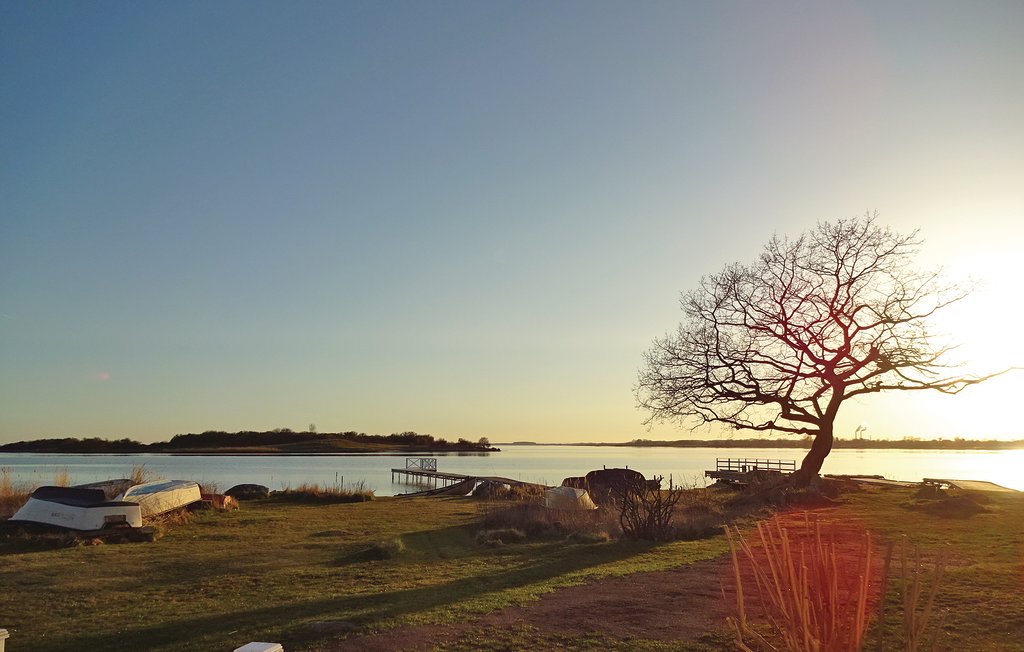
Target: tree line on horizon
(956, 443)
(219, 439)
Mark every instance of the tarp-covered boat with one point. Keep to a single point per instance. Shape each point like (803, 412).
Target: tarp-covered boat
(78, 508)
(568, 498)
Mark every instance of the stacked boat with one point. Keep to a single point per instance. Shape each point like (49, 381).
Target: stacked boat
(106, 505)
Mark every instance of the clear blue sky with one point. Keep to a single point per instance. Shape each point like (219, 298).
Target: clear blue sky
(467, 218)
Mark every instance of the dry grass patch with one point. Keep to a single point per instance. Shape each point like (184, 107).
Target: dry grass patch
(62, 478)
(140, 474)
(535, 521)
(314, 493)
(12, 496)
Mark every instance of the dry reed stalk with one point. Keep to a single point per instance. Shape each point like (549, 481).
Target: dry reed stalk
(11, 497)
(140, 474)
(313, 491)
(880, 619)
(6, 487)
(62, 478)
(911, 590)
(809, 597)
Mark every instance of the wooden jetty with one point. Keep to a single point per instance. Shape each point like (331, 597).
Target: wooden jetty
(743, 469)
(423, 471)
(938, 483)
(458, 489)
(968, 485)
(876, 480)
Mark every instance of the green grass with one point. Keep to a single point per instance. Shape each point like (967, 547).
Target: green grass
(979, 606)
(275, 568)
(271, 570)
(525, 637)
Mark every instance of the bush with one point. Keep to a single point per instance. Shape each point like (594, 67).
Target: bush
(646, 512)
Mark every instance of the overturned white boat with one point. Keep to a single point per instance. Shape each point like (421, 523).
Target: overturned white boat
(162, 496)
(87, 508)
(77, 508)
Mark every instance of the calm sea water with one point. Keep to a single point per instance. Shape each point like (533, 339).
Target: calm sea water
(543, 464)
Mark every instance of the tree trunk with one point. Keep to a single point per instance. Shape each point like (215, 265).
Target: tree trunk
(820, 448)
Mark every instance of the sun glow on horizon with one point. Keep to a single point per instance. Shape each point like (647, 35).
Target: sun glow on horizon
(983, 328)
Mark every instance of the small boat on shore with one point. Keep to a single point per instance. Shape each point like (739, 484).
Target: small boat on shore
(89, 508)
(162, 496)
(77, 508)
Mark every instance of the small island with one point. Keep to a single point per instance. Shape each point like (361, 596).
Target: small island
(281, 441)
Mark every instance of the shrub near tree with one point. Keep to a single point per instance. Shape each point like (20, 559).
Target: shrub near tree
(782, 343)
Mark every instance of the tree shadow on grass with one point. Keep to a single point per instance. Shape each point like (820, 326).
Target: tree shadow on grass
(290, 621)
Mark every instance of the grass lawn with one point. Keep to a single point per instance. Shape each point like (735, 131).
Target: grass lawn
(981, 602)
(273, 570)
(270, 570)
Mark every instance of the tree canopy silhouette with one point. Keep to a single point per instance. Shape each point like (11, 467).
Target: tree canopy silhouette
(781, 344)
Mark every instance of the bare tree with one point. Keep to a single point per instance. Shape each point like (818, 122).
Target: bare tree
(780, 344)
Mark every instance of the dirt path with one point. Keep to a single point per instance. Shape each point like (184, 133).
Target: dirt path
(675, 605)
(679, 605)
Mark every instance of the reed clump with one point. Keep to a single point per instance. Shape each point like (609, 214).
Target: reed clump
(813, 597)
(12, 496)
(210, 487)
(315, 493)
(141, 474)
(61, 478)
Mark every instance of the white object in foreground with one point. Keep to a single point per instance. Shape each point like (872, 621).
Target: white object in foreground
(256, 647)
(3, 637)
(77, 509)
(568, 498)
(155, 498)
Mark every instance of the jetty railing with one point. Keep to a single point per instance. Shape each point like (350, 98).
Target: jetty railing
(421, 463)
(744, 465)
(423, 470)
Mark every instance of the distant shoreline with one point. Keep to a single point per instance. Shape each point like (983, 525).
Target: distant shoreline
(211, 453)
(288, 444)
(851, 444)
